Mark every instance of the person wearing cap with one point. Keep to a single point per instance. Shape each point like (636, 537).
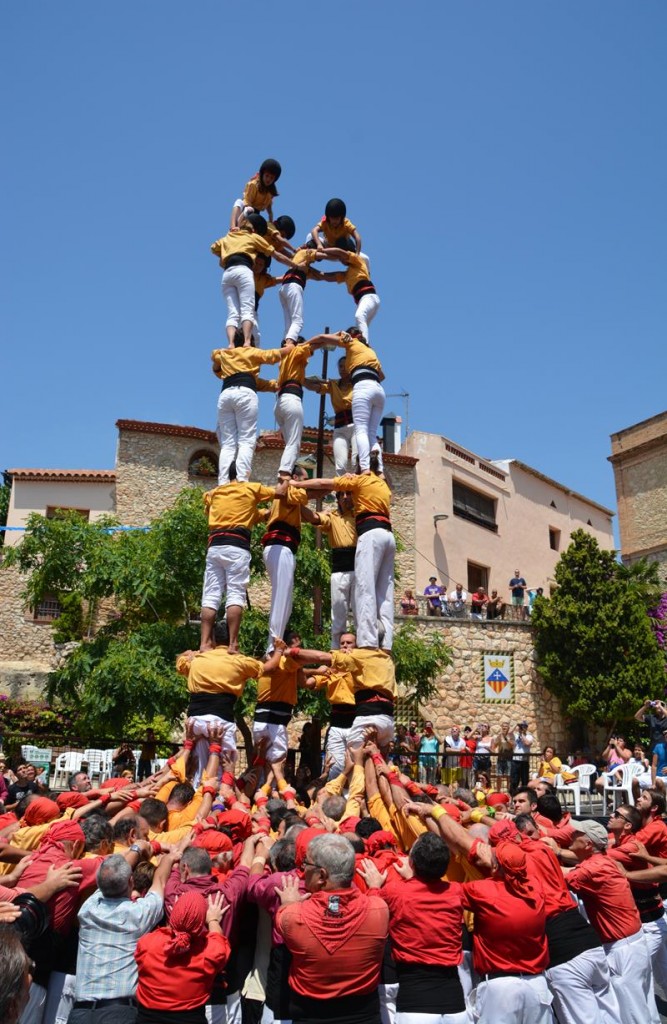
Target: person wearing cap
(237, 252)
(340, 392)
(607, 898)
(434, 594)
(258, 194)
(340, 529)
(334, 227)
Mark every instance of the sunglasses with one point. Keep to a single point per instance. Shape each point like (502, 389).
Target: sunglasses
(617, 814)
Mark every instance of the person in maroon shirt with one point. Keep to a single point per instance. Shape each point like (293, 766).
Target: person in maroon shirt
(336, 936)
(422, 904)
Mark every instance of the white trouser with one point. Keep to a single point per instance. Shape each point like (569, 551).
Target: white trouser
(34, 1010)
(367, 307)
(234, 1007)
(342, 605)
(291, 299)
(433, 1018)
(344, 448)
(387, 994)
(227, 572)
(289, 417)
(466, 973)
(336, 747)
(367, 408)
(237, 431)
(656, 940)
(517, 999)
(59, 998)
(276, 735)
(200, 726)
(374, 588)
(582, 990)
(238, 289)
(268, 1018)
(216, 1014)
(279, 562)
(632, 980)
(383, 724)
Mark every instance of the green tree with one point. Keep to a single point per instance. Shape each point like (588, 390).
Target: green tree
(5, 491)
(595, 647)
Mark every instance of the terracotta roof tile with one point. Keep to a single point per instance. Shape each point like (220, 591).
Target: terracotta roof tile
(76, 475)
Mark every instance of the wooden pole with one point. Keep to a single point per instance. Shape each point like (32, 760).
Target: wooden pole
(317, 592)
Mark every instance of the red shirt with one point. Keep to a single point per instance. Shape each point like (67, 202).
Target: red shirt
(466, 759)
(353, 968)
(654, 837)
(424, 921)
(509, 933)
(562, 833)
(178, 982)
(545, 873)
(607, 897)
(65, 904)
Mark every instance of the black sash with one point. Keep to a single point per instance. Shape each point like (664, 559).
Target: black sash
(230, 536)
(273, 712)
(342, 559)
(283, 533)
(220, 704)
(240, 380)
(238, 260)
(372, 521)
(362, 288)
(343, 419)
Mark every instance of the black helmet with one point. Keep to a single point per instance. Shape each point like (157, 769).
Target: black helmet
(285, 225)
(258, 223)
(272, 166)
(335, 208)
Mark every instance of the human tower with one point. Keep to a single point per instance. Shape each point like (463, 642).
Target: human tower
(358, 671)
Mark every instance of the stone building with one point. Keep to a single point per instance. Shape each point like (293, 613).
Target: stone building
(155, 461)
(639, 458)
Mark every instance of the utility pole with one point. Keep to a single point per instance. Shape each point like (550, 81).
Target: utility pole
(317, 592)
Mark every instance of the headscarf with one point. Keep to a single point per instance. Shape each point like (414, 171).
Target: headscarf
(452, 810)
(62, 832)
(504, 831)
(493, 799)
(238, 822)
(348, 824)
(214, 842)
(301, 842)
(41, 811)
(512, 860)
(187, 922)
(379, 841)
(67, 800)
(114, 784)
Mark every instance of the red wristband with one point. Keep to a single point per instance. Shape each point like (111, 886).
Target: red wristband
(313, 821)
(261, 799)
(227, 779)
(188, 744)
(214, 748)
(413, 789)
(377, 759)
(229, 800)
(171, 760)
(104, 798)
(472, 852)
(288, 794)
(209, 789)
(157, 847)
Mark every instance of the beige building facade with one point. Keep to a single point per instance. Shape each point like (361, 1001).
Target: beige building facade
(477, 521)
(639, 458)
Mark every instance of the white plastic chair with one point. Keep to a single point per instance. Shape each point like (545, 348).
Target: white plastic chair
(69, 761)
(94, 759)
(570, 787)
(158, 764)
(628, 773)
(585, 773)
(106, 768)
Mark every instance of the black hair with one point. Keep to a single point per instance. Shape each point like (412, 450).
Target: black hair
(290, 634)
(221, 630)
(658, 801)
(182, 793)
(374, 463)
(285, 226)
(142, 877)
(522, 821)
(123, 827)
(633, 816)
(335, 208)
(532, 795)
(367, 826)
(291, 818)
(282, 855)
(429, 857)
(153, 811)
(239, 339)
(466, 795)
(355, 841)
(96, 830)
(271, 167)
(549, 807)
(258, 223)
(275, 811)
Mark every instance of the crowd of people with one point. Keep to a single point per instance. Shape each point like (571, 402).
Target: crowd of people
(354, 894)
(437, 602)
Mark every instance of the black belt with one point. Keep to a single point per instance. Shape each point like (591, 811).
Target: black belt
(238, 260)
(366, 521)
(372, 702)
(283, 533)
(291, 387)
(240, 380)
(295, 277)
(220, 704)
(343, 418)
(274, 712)
(92, 1004)
(364, 373)
(342, 559)
(362, 288)
(341, 716)
(231, 536)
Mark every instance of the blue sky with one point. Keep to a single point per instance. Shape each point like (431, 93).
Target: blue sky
(504, 162)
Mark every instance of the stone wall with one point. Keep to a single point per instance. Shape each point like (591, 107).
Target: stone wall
(21, 639)
(460, 689)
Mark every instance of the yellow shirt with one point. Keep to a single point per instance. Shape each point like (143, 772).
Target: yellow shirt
(358, 354)
(369, 493)
(340, 392)
(370, 669)
(244, 242)
(288, 509)
(340, 529)
(293, 364)
(218, 671)
(333, 234)
(235, 503)
(262, 282)
(256, 196)
(339, 687)
(357, 271)
(281, 684)
(228, 361)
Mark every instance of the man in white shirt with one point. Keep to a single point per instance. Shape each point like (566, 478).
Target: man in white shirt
(519, 769)
(455, 745)
(457, 600)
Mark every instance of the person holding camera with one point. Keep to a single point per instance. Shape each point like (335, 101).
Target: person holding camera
(616, 754)
(519, 768)
(654, 714)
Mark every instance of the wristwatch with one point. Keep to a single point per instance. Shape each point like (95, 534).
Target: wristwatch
(135, 848)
